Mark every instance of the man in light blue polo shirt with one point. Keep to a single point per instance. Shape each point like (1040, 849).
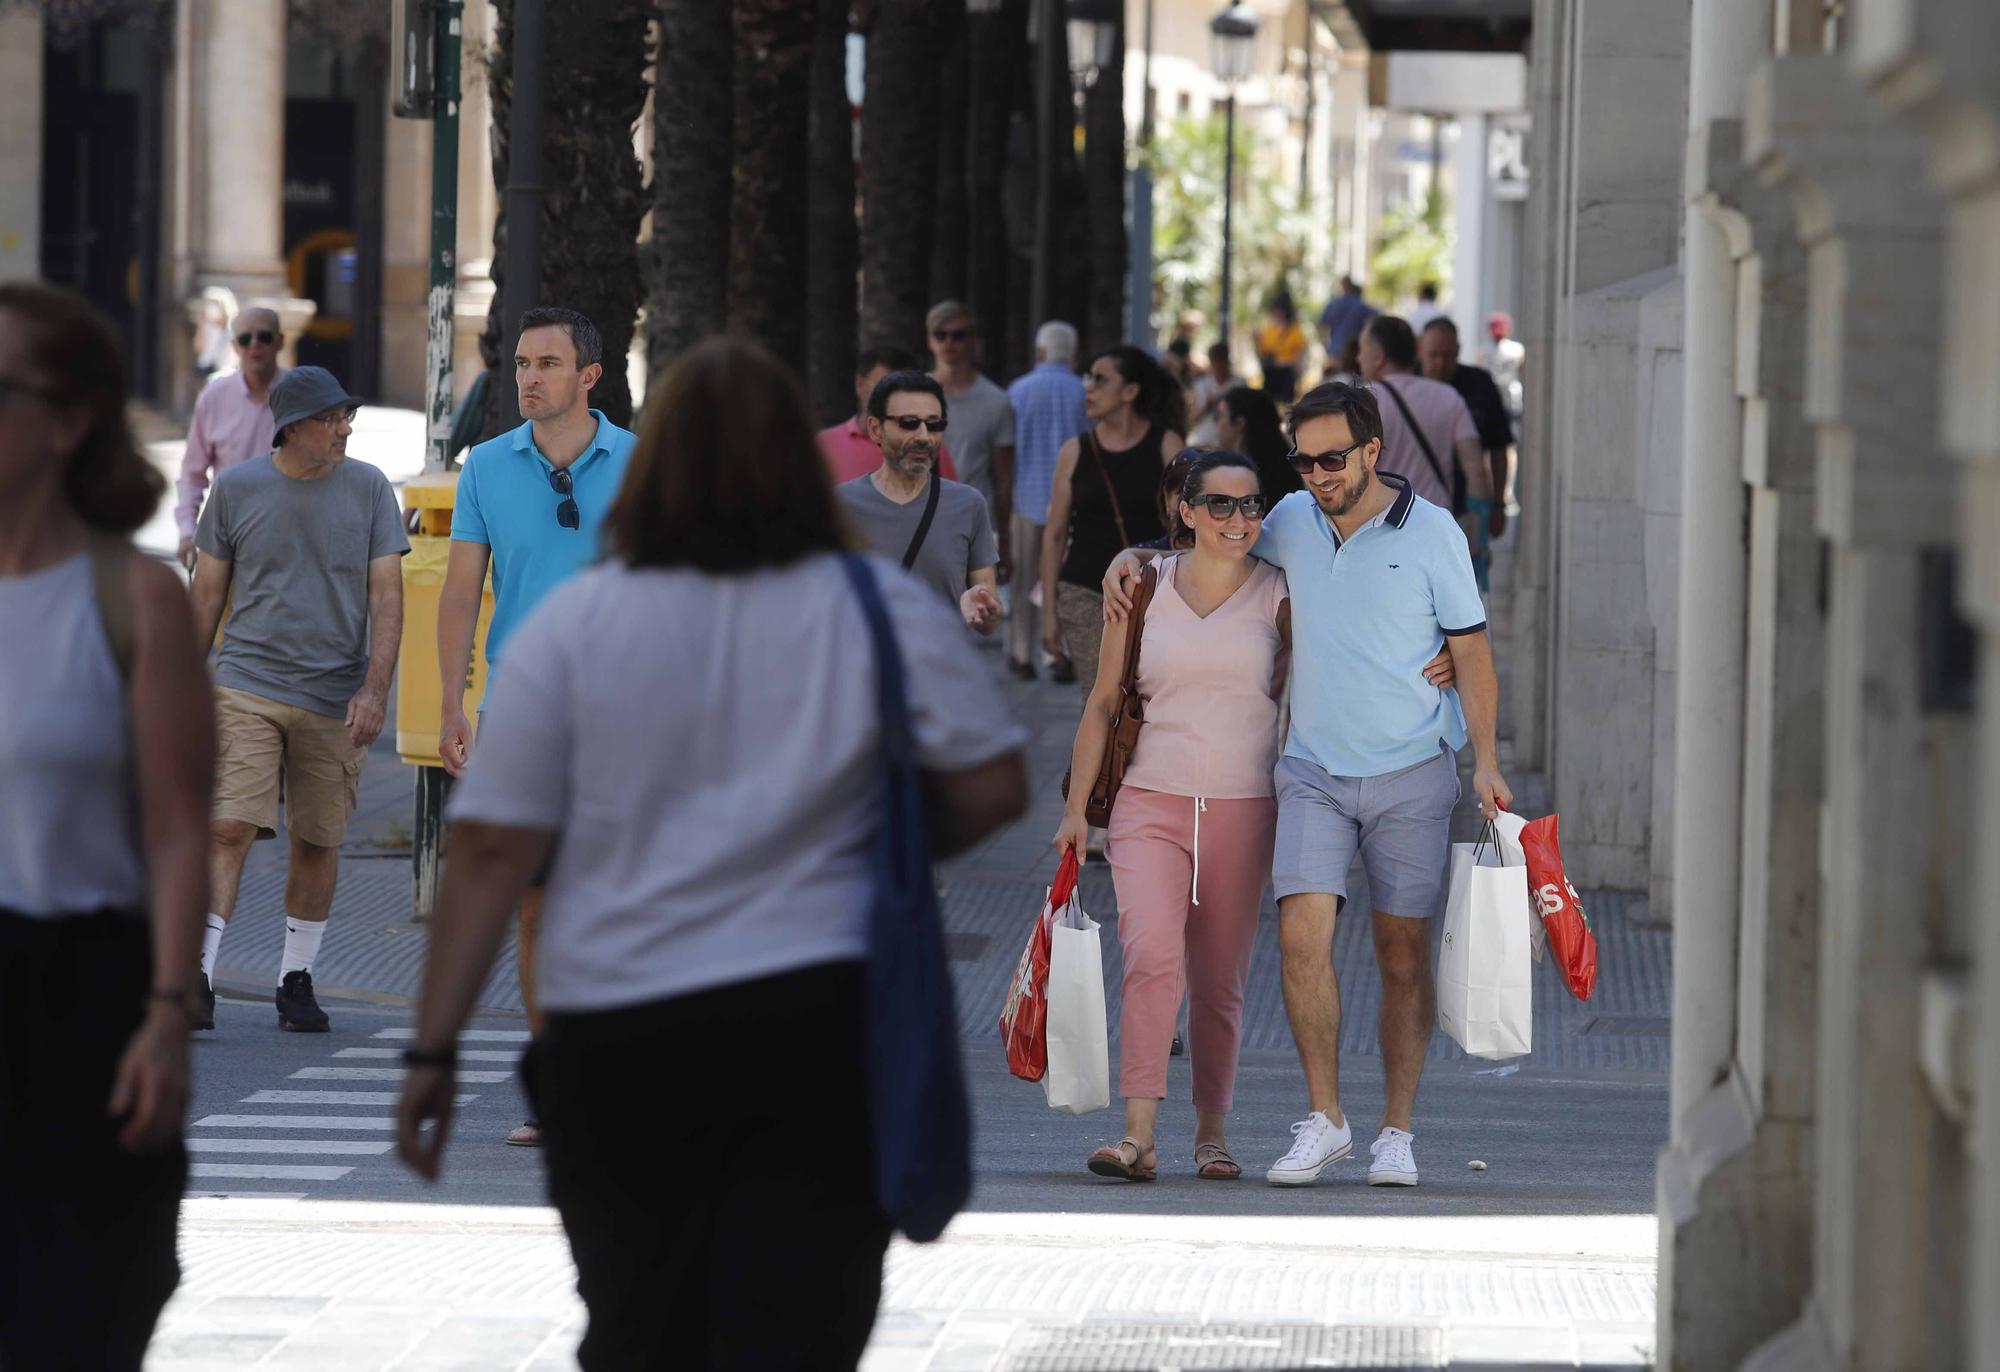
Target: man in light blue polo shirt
(1379, 577)
(531, 502)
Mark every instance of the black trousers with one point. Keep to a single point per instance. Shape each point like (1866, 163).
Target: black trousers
(87, 1230)
(711, 1159)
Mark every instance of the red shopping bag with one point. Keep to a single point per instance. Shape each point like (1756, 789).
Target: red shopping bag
(1024, 1019)
(1562, 914)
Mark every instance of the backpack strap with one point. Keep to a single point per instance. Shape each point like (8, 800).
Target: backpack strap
(110, 581)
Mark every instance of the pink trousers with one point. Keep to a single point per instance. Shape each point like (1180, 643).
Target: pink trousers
(1190, 875)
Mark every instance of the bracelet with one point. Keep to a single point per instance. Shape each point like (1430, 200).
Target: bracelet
(443, 1057)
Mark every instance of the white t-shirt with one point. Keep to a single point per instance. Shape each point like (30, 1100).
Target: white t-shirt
(707, 750)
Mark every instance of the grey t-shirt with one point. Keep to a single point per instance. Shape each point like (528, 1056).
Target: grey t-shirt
(960, 540)
(981, 419)
(299, 550)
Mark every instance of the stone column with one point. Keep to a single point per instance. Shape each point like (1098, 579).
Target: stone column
(1889, 1180)
(20, 144)
(478, 201)
(406, 255)
(1937, 62)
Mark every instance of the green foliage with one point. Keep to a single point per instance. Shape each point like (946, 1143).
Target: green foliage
(1411, 248)
(1280, 241)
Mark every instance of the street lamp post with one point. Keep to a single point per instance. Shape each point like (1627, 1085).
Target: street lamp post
(1232, 35)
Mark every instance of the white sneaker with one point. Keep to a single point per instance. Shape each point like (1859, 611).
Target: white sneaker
(1316, 1142)
(1395, 1163)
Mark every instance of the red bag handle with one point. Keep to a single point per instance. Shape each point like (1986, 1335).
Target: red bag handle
(1064, 885)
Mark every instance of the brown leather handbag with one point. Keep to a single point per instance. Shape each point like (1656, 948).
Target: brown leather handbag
(1131, 714)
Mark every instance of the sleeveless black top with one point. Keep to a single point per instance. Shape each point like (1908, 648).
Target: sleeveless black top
(1093, 529)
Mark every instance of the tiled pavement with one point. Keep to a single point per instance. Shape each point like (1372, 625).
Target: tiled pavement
(1543, 1259)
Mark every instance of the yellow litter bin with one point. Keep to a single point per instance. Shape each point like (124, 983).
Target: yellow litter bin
(428, 499)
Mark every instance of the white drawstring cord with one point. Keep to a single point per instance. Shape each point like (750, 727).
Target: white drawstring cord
(1200, 808)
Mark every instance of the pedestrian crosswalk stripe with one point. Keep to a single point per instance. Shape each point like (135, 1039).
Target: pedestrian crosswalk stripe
(369, 1147)
(382, 1074)
(465, 1055)
(334, 1122)
(266, 1171)
(469, 1035)
(239, 1193)
(333, 1098)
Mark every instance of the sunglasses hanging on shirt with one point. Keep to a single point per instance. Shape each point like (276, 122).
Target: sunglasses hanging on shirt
(567, 513)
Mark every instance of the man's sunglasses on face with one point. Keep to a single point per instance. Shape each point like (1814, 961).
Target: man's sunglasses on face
(910, 423)
(951, 335)
(567, 513)
(264, 336)
(1326, 462)
(1223, 506)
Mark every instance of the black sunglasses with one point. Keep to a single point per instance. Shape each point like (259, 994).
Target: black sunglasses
(909, 423)
(1223, 506)
(1331, 462)
(244, 340)
(951, 335)
(567, 513)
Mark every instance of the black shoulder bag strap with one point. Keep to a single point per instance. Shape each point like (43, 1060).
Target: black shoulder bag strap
(1417, 429)
(924, 524)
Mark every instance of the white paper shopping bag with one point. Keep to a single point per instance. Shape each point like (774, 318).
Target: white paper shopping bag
(1485, 994)
(1078, 1079)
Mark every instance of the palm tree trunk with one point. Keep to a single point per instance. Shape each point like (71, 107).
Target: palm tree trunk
(1104, 196)
(998, 49)
(693, 115)
(592, 201)
(950, 245)
(767, 233)
(898, 169)
(833, 254)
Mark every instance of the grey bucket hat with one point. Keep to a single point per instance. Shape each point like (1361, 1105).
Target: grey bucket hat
(304, 392)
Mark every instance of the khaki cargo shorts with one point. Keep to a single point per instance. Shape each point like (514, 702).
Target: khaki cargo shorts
(260, 742)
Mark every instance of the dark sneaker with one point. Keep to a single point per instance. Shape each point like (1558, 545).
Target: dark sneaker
(297, 1010)
(1063, 673)
(206, 1019)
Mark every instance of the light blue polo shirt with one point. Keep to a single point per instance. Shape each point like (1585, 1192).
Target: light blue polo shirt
(505, 501)
(1367, 615)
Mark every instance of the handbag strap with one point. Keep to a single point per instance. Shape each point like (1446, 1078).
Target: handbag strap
(923, 525)
(1429, 454)
(1149, 580)
(1104, 474)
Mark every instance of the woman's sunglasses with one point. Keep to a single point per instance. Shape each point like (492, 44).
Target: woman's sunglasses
(910, 423)
(567, 513)
(264, 336)
(1328, 462)
(1223, 506)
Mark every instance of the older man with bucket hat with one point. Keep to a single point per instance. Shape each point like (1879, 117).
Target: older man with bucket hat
(311, 545)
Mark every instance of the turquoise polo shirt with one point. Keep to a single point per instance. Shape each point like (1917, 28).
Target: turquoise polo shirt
(1367, 615)
(505, 501)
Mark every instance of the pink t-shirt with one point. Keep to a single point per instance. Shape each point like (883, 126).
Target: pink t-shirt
(1211, 690)
(1441, 412)
(850, 452)
(230, 425)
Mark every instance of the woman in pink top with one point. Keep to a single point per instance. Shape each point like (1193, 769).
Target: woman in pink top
(1190, 838)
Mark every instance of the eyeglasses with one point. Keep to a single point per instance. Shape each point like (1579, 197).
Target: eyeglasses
(567, 513)
(910, 423)
(1328, 462)
(264, 336)
(341, 416)
(9, 386)
(951, 335)
(1223, 506)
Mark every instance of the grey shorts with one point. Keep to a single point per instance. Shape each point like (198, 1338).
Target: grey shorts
(1400, 823)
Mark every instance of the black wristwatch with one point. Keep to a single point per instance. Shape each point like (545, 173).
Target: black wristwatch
(419, 1057)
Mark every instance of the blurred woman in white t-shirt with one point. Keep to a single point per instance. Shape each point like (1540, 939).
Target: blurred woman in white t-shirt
(688, 734)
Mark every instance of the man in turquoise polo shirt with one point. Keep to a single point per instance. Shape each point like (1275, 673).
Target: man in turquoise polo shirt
(531, 502)
(1379, 577)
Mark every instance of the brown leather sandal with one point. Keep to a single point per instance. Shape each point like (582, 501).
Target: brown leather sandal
(1111, 1162)
(1213, 1163)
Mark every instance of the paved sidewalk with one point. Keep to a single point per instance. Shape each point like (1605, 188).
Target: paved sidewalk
(1545, 1258)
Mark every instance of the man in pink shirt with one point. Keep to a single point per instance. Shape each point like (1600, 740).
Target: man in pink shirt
(232, 418)
(849, 451)
(1411, 403)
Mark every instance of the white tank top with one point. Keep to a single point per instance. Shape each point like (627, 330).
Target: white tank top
(69, 814)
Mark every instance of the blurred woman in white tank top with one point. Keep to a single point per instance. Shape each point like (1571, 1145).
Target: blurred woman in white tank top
(106, 762)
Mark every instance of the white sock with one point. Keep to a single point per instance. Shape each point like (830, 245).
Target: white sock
(301, 945)
(211, 944)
